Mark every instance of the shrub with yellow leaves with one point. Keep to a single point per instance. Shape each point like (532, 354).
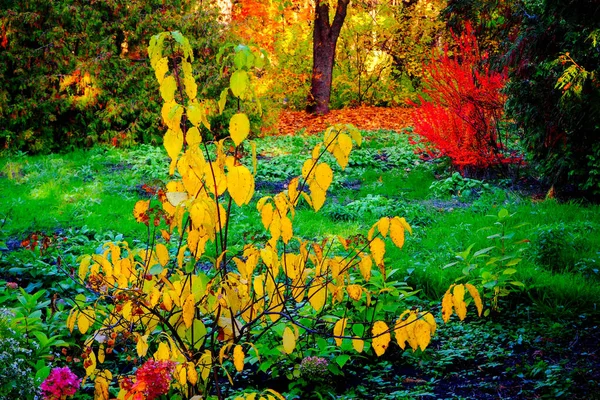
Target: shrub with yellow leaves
(162, 302)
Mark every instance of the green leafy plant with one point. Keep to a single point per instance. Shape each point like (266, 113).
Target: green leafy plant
(457, 185)
(493, 268)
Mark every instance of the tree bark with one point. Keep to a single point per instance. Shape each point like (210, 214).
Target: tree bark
(325, 36)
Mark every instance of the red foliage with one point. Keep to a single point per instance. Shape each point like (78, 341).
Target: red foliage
(460, 119)
(153, 379)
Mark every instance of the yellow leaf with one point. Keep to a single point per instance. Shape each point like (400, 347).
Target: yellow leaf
(317, 196)
(173, 142)
(239, 128)
(341, 151)
(192, 374)
(475, 295)
(338, 330)
(365, 266)
(377, 247)
(223, 100)
(429, 318)
(181, 374)
(317, 294)
(91, 364)
(168, 88)
(72, 319)
(141, 345)
(101, 354)
(191, 88)
(274, 393)
(397, 232)
(238, 358)
(358, 344)
(355, 134)
(383, 226)
(289, 340)
(354, 291)
(323, 176)
(193, 137)
(163, 352)
(161, 68)
(189, 310)
(266, 215)
(422, 331)
(139, 212)
(381, 337)
(196, 113)
(410, 330)
(308, 169)
(404, 224)
(238, 83)
(401, 333)
(83, 322)
(172, 113)
(316, 151)
(162, 253)
(240, 184)
(458, 299)
(205, 363)
(447, 305)
(286, 229)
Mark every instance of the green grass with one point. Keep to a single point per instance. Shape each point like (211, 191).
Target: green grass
(89, 196)
(98, 188)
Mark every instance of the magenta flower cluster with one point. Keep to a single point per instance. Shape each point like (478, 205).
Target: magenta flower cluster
(59, 384)
(314, 368)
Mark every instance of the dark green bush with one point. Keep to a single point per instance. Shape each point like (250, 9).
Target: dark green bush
(74, 73)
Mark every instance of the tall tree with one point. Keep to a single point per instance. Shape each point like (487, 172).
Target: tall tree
(325, 36)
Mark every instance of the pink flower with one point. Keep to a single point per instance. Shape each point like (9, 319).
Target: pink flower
(59, 384)
(151, 380)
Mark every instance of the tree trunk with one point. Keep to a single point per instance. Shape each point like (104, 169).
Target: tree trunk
(325, 36)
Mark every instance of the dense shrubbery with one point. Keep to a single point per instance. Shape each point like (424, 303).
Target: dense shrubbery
(75, 73)
(462, 114)
(551, 49)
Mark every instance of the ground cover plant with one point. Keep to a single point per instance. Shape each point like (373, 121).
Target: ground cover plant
(531, 356)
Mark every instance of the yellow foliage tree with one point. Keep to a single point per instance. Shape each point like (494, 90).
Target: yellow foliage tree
(192, 299)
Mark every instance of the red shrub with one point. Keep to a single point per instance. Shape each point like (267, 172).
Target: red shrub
(460, 119)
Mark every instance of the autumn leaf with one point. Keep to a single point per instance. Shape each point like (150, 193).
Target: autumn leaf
(422, 332)
(317, 294)
(239, 83)
(240, 184)
(239, 128)
(238, 358)
(377, 247)
(189, 310)
(358, 344)
(168, 88)
(475, 295)
(140, 209)
(289, 340)
(354, 291)
(397, 232)
(458, 299)
(447, 306)
(381, 337)
(338, 330)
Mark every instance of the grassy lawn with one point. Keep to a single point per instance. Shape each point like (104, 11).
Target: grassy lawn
(540, 341)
